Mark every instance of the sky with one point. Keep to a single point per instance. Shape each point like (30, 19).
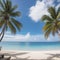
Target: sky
(31, 13)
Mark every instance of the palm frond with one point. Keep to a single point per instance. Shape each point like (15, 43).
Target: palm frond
(10, 4)
(47, 26)
(16, 23)
(58, 16)
(2, 5)
(2, 23)
(14, 14)
(52, 12)
(47, 33)
(58, 23)
(58, 10)
(46, 18)
(7, 5)
(13, 8)
(12, 28)
(54, 30)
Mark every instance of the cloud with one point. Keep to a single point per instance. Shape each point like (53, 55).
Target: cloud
(40, 9)
(37, 11)
(17, 37)
(28, 38)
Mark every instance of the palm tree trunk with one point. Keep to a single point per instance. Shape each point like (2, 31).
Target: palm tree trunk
(2, 33)
(2, 37)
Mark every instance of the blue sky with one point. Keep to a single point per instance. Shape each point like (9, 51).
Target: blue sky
(28, 24)
(31, 13)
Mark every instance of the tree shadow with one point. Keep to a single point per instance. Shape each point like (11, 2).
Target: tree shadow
(53, 56)
(15, 55)
(21, 58)
(27, 58)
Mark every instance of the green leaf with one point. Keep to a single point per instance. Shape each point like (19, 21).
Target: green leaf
(54, 30)
(14, 14)
(16, 23)
(46, 18)
(52, 12)
(58, 23)
(58, 10)
(2, 5)
(12, 28)
(2, 23)
(58, 16)
(47, 33)
(47, 26)
(13, 8)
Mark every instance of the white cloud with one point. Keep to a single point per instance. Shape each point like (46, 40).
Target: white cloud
(40, 9)
(28, 38)
(37, 11)
(18, 37)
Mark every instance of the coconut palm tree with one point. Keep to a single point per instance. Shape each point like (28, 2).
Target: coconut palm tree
(8, 16)
(52, 21)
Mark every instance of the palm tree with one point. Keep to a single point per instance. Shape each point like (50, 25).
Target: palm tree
(52, 21)
(8, 14)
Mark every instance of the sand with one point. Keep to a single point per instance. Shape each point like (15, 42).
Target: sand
(32, 55)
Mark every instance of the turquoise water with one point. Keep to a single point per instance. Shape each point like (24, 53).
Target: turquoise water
(30, 45)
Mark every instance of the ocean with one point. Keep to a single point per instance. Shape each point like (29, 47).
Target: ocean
(30, 45)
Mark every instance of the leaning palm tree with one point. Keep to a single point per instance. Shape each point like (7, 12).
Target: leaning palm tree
(52, 22)
(8, 14)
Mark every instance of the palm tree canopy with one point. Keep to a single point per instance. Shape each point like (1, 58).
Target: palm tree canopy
(8, 16)
(52, 21)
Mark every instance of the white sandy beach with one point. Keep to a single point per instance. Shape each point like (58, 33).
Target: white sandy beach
(32, 55)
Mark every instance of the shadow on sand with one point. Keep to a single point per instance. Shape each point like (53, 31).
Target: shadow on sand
(27, 58)
(53, 56)
(16, 54)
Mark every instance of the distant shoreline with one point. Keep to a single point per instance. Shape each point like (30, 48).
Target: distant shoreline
(30, 41)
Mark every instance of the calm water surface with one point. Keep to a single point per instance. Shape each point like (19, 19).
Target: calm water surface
(30, 45)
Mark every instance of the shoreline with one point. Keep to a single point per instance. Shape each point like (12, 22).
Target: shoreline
(30, 50)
